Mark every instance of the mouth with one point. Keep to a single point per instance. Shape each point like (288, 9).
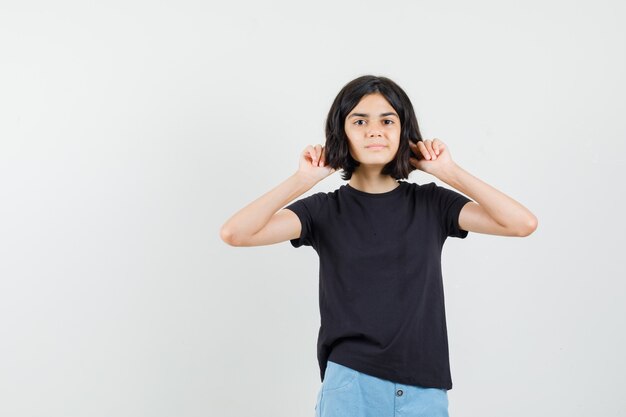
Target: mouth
(375, 147)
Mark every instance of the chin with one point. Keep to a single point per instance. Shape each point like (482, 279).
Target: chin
(374, 161)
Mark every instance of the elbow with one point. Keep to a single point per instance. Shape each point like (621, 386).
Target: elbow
(529, 227)
(228, 237)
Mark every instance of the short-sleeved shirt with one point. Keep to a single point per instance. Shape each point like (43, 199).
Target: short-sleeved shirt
(381, 295)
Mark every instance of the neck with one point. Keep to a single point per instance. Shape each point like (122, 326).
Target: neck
(372, 182)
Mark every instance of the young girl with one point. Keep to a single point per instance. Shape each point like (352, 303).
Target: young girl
(382, 345)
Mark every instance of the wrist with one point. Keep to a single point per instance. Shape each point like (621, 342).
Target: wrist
(450, 174)
(304, 179)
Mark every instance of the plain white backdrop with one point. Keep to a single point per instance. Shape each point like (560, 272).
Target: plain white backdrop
(130, 131)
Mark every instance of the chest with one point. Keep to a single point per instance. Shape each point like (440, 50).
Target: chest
(380, 234)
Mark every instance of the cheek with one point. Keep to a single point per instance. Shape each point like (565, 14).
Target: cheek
(350, 133)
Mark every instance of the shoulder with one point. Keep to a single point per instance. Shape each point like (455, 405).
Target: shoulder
(420, 187)
(313, 202)
(434, 190)
(426, 190)
(321, 197)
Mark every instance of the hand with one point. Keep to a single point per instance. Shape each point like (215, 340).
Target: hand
(313, 163)
(433, 157)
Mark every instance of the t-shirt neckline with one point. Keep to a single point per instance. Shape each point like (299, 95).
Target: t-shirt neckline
(354, 191)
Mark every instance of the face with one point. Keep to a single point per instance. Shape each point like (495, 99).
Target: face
(373, 122)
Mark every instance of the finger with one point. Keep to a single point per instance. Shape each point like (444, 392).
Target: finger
(418, 149)
(314, 156)
(323, 157)
(429, 146)
(318, 153)
(423, 149)
(310, 151)
(438, 146)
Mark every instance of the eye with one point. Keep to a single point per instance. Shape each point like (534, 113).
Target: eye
(361, 120)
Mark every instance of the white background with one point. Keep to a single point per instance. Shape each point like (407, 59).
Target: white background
(130, 131)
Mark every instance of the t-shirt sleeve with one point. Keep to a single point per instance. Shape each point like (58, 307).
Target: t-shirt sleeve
(306, 209)
(449, 204)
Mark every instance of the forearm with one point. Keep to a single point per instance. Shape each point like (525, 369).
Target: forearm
(257, 214)
(502, 208)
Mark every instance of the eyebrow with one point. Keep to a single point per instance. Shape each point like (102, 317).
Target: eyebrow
(367, 115)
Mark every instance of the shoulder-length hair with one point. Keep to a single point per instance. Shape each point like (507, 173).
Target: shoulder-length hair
(337, 150)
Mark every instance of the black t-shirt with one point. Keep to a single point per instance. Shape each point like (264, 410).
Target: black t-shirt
(381, 293)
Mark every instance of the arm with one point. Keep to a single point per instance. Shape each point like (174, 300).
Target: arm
(241, 228)
(493, 212)
(259, 223)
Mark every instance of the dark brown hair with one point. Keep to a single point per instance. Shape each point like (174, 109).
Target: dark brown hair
(337, 148)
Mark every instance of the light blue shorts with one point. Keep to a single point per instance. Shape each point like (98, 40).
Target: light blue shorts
(346, 392)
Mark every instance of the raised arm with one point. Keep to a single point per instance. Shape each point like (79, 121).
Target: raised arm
(261, 222)
(492, 212)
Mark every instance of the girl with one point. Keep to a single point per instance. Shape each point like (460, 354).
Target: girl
(382, 345)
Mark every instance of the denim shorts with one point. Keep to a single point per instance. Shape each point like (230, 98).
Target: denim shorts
(346, 392)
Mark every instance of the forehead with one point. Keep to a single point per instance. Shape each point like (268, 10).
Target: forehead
(373, 105)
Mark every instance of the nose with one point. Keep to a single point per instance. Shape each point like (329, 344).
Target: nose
(373, 133)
